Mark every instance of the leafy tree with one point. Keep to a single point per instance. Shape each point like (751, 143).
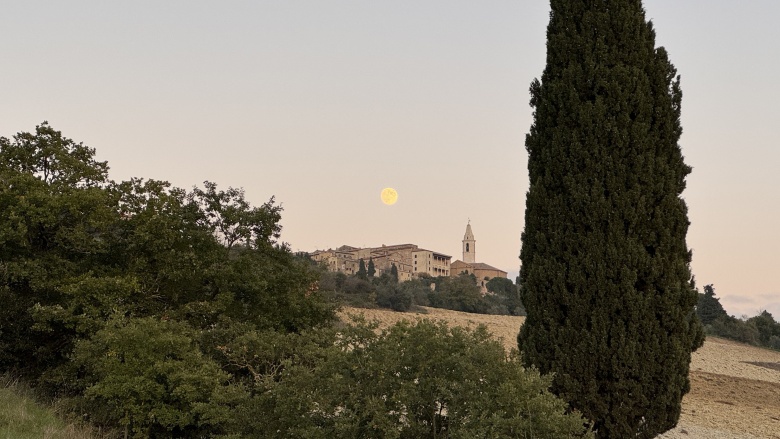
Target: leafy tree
(708, 307)
(508, 294)
(52, 158)
(459, 293)
(149, 377)
(371, 269)
(767, 328)
(348, 290)
(735, 329)
(79, 249)
(605, 273)
(419, 289)
(340, 279)
(357, 286)
(331, 280)
(389, 295)
(231, 218)
(414, 381)
(53, 228)
(362, 274)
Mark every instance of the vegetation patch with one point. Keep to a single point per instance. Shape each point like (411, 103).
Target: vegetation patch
(773, 366)
(160, 312)
(22, 417)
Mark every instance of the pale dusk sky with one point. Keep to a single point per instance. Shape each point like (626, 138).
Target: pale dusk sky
(324, 103)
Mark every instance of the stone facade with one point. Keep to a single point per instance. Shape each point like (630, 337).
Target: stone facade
(409, 259)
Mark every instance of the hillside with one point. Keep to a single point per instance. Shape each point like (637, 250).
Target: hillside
(735, 388)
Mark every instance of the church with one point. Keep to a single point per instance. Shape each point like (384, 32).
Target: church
(483, 272)
(410, 261)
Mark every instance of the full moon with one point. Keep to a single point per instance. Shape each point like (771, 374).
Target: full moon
(389, 196)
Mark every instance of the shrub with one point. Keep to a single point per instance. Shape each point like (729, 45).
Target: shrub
(733, 328)
(413, 381)
(147, 376)
(393, 297)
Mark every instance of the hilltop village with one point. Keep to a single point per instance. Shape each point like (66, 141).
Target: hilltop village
(410, 260)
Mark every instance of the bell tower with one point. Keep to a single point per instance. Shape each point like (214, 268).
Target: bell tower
(469, 245)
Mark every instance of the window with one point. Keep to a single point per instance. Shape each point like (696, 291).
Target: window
(467, 246)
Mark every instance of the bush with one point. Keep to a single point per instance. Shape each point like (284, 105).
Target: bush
(393, 297)
(459, 294)
(147, 376)
(732, 328)
(418, 289)
(767, 327)
(412, 381)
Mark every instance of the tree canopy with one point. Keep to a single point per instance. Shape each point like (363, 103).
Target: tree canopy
(107, 283)
(708, 307)
(167, 313)
(605, 273)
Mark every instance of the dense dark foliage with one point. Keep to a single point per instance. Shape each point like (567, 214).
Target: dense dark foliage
(414, 381)
(605, 273)
(110, 287)
(708, 307)
(166, 313)
(761, 330)
(459, 293)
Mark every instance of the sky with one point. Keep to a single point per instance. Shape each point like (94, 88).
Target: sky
(322, 104)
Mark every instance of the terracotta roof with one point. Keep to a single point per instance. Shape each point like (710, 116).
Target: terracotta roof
(475, 266)
(481, 266)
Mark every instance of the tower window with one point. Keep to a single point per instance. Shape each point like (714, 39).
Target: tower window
(467, 246)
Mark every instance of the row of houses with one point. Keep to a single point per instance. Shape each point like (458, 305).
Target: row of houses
(410, 260)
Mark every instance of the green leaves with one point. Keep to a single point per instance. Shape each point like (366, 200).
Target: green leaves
(708, 307)
(146, 375)
(78, 250)
(175, 314)
(414, 381)
(605, 274)
(230, 217)
(54, 159)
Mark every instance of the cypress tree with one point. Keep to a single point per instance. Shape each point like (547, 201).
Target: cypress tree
(362, 270)
(708, 307)
(394, 271)
(605, 273)
(371, 268)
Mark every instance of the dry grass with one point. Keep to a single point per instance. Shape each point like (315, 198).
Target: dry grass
(22, 417)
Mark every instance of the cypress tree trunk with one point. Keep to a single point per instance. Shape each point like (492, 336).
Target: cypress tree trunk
(605, 273)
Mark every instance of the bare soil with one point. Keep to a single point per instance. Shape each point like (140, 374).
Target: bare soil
(735, 388)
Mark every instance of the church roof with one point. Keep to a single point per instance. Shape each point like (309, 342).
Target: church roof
(475, 266)
(483, 266)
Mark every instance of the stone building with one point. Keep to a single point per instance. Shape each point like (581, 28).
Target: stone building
(409, 259)
(483, 272)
